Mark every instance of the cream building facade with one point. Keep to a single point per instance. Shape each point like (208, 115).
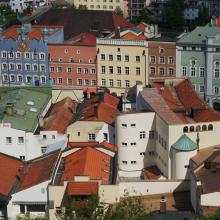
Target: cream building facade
(121, 64)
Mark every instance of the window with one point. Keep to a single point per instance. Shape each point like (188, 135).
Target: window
(79, 70)
(216, 72)
(110, 69)
(118, 83)
(27, 55)
(60, 80)
(152, 59)
(133, 125)
(162, 59)
(19, 67)
(102, 69)
(11, 66)
(86, 70)
(184, 70)
(8, 140)
(18, 55)
(201, 71)
(11, 55)
(91, 137)
(28, 79)
(78, 51)
(52, 69)
(69, 69)
(216, 90)
(161, 50)
(42, 68)
(118, 57)
(20, 140)
(170, 71)
(4, 66)
(127, 83)
(103, 82)
(151, 134)
(133, 162)
(20, 78)
(170, 60)
(78, 133)
(69, 81)
(124, 144)
(133, 143)
(201, 88)
(42, 56)
(22, 157)
(28, 67)
(102, 56)
(152, 71)
(93, 71)
(124, 125)
(193, 71)
(110, 57)
(142, 153)
(118, 70)
(86, 82)
(12, 78)
(59, 69)
(5, 77)
(66, 51)
(142, 134)
(79, 82)
(126, 58)
(161, 71)
(124, 162)
(138, 71)
(137, 59)
(4, 55)
(105, 136)
(93, 82)
(127, 71)
(111, 84)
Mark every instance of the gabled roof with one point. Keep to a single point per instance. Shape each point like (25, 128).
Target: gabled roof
(38, 170)
(87, 162)
(184, 143)
(102, 107)
(10, 168)
(82, 188)
(60, 115)
(86, 38)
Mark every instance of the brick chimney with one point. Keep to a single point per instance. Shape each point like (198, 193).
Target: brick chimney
(163, 204)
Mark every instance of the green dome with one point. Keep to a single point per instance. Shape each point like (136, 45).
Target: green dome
(184, 143)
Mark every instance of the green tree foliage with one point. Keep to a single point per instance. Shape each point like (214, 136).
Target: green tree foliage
(7, 17)
(83, 7)
(203, 18)
(118, 11)
(216, 216)
(27, 217)
(174, 13)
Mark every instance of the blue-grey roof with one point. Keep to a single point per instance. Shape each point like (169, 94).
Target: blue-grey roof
(184, 143)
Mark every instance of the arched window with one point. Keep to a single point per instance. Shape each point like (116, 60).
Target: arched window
(198, 128)
(191, 128)
(185, 129)
(217, 64)
(204, 128)
(210, 127)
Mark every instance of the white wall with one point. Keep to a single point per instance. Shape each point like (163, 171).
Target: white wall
(35, 194)
(128, 134)
(210, 199)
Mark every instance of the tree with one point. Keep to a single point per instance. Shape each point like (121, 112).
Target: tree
(216, 216)
(129, 208)
(83, 7)
(173, 12)
(118, 11)
(203, 16)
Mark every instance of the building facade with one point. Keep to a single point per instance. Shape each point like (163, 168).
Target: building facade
(24, 54)
(198, 58)
(73, 66)
(121, 64)
(162, 58)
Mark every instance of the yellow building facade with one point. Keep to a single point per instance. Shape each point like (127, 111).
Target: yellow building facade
(121, 64)
(104, 5)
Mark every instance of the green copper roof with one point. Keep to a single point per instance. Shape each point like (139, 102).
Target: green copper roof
(198, 35)
(184, 143)
(22, 107)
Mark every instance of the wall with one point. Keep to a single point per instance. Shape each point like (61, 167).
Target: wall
(126, 47)
(136, 149)
(38, 195)
(210, 199)
(109, 193)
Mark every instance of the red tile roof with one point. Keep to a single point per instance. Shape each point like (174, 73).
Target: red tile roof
(102, 107)
(132, 36)
(83, 39)
(9, 168)
(141, 26)
(119, 21)
(60, 115)
(82, 188)
(183, 101)
(103, 144)
(38, 170)
(87, 162)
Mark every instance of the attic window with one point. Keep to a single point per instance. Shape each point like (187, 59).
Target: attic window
(185, 129)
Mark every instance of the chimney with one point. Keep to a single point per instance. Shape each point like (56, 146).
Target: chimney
(163, 204)
(1, 33)
(117, 32)
(22, 33)
(95, 109)
(45, 34)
